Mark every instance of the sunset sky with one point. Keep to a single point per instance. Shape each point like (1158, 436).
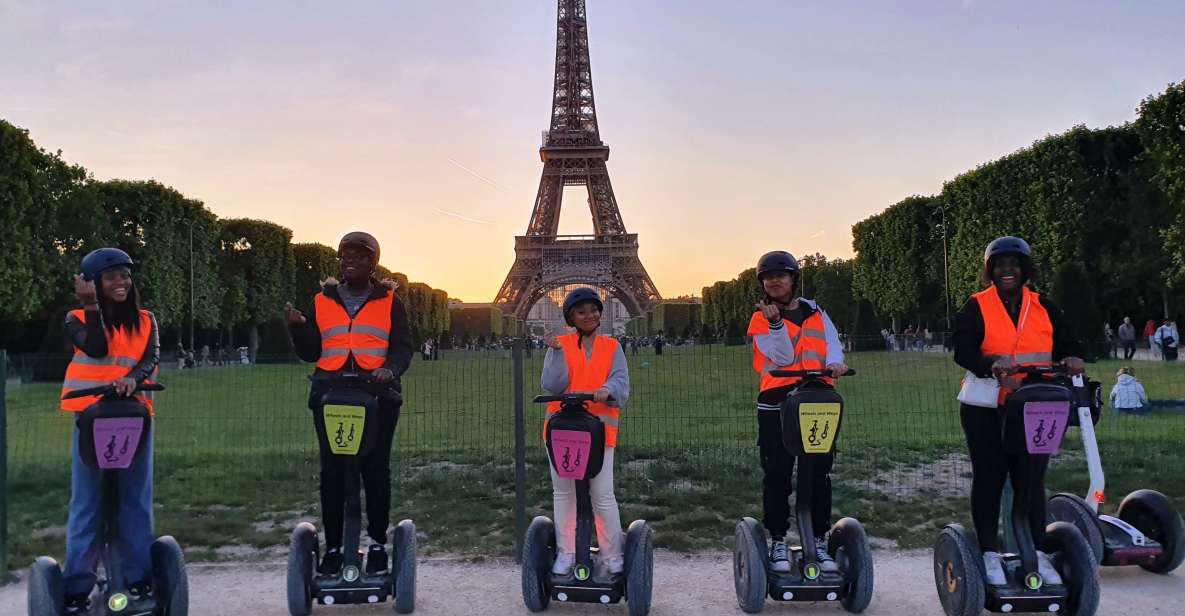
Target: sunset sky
(735, 127)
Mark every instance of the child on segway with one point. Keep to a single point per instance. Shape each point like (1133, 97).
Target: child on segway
(583, 361)
(115, 343)
(358, 325)
(789, 333)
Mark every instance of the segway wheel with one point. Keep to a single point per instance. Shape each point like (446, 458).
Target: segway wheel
(748, 565)
(1152, 513)
(1077, 566)
(538, 556)
(639, 559)
(404, 565)
(45, 588)
(957, 573)
(848, 544)
(302, 561)
(172, 583)
(1071, 508)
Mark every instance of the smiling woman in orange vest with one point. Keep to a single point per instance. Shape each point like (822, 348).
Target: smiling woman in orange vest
(358, 325)
(115, 343)
(789, 333)
(1006, 325)
(584, 362)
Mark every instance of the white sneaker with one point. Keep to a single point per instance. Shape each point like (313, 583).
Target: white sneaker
(826, 562)
(994, 567)
(615, 565)
(1046, 570)
(777, 557)
(563, 563)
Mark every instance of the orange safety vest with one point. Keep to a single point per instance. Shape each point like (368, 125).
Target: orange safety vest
(810, 349)
(1033, 344)
(588, 374)
(366, 336)
(125, 349)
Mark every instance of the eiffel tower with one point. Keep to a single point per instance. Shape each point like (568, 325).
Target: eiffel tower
(574, 155)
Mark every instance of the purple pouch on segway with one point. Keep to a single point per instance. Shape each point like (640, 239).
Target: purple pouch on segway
(1045, 425)
(116, 441)
(570, 450)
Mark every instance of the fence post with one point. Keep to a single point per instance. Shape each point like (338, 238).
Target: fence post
(520, 470)
(3, 466)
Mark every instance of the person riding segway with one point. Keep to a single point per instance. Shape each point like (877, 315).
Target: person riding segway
(999, 335)
(108, 385)
(587, 376)
(359, 338)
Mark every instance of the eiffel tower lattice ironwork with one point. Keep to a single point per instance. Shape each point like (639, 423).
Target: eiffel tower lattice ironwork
(574, 155)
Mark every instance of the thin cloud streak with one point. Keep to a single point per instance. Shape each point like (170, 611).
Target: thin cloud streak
(478, 175)
(461, 216)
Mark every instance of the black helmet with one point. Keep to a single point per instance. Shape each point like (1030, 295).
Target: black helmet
(360, 238)
(776, 261)
(1007, 245)
(575, 297)
(101, 259)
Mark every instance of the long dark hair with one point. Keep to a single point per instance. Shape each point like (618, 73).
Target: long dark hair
(125, 314)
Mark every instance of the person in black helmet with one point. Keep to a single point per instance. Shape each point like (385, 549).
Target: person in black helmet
(585, 362)
(1005, 325)
(790, 333)
(357, 325)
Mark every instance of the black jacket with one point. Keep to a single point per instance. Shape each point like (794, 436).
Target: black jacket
(306, 338)
(968, 336)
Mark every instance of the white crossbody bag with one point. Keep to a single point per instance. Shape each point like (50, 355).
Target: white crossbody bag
(985, 391)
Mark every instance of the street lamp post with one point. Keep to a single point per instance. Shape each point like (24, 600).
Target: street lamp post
(192, 343)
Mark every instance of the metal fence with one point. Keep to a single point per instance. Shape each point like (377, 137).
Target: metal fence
(238, 437)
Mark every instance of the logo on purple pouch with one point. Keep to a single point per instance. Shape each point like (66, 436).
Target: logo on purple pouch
(1045, 425)
(569, 449)
(116, 441)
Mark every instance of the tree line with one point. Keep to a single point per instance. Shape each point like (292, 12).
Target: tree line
(240, 271)
(1103, 209)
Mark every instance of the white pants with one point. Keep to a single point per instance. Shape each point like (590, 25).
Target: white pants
(604, 504)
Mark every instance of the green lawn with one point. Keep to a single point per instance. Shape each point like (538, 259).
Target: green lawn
(236, 457)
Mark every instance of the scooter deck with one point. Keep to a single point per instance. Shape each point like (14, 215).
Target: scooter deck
(1120, 550)
(1016, 597)
(592, 590)
(335, 590)
(795, 586)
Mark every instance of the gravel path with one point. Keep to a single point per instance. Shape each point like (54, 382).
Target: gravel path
(700, 584)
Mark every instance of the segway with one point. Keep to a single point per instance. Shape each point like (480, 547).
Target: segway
(1147, 531)
(349, 410)
(111, 436)
(1035, 420)
(576, 448)
(811, 418)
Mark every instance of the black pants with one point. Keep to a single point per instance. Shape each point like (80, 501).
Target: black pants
(777, 484)
(1129, 349)
(375, 468)
(991, 466)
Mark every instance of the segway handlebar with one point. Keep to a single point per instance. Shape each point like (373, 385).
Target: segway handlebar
(1057, 369)
(808, 374)
(344, 378)
(574, 397)
(106, 390)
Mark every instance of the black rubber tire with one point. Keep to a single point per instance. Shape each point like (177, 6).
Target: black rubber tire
(172, 582)
(639, 585)
(403, 565)
(1152, 513)
(302, 562)
(46, 596)
(1076, 564)
(848, 544)
(957, 573)
(538, 556)
(1071, 508)
(749, 565)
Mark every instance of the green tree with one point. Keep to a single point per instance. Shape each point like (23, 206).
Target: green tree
(1161, 126)
(257, 273)
(314, 263)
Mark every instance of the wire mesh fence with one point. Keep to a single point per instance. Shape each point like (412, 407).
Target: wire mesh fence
(235, 445)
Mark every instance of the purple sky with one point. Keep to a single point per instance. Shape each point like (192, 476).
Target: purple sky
(735, 128)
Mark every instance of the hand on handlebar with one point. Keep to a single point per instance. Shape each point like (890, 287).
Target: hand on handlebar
(837, 369)
(382, 375)
(1073, 365)
(601, 395)
(1003, 368)
(124, 387)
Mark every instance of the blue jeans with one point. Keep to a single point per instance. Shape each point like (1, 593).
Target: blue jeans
(84, 530)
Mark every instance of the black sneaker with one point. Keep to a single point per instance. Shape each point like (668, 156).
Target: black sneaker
(77, 604)
(376, 560)
(331, 563)
(140, 591)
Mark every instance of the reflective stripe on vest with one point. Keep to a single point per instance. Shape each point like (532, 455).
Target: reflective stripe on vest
(810, 351)
(1033, 344)
(124, 350)
(588, 374)
(366, 336)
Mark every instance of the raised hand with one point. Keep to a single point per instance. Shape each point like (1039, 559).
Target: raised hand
(293, 316)
(85, 291)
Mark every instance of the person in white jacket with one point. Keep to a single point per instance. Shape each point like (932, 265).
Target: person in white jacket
(1127, 396)
(1168, 340)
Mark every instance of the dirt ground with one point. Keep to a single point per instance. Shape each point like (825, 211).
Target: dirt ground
(700, 584)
